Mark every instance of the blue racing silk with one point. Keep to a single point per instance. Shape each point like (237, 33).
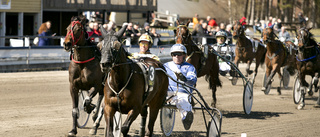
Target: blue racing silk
(186, 69)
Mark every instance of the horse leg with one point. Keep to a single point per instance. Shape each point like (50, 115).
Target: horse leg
(96, 110)
(315, 83)
(132, 115)
(96, 123)
(88, 105)
(108, 115)
(303, 85)
(280, 77)
(248, 71)
(75, 111)
(143, 114)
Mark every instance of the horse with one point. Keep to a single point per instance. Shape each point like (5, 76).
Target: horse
(308, 62)
(126, 90)
(84, 69)
(244, 50)
(208, 67)
(277, 56)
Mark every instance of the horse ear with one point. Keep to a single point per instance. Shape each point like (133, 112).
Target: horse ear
(188, 23)
(175, 31)
(178, 22)
(83, 20)
(121, 31)
(103, 32)
(309, 29)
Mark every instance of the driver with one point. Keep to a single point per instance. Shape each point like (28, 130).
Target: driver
(182, 71)
(225, 51)
(145, 42)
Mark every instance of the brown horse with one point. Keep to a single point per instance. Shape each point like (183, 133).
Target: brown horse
(126, 90)
(244, 50)
(308, 61)
(195, 57)
(277, 56)
(84, 69)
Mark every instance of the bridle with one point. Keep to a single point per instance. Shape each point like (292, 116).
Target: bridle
(183, 38)
(70, 32)
(301, 38)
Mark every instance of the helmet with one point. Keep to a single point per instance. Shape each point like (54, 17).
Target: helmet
(146, 37)
(178, 48)
(221, 34)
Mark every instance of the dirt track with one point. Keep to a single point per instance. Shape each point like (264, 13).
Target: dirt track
(39, 104)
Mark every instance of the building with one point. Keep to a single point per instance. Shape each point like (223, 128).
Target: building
(24, 17)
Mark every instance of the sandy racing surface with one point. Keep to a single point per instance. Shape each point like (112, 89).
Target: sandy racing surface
(39, 104)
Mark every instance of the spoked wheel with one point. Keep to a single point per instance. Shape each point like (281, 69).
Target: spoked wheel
(117, 124)
(214, 127)
(167, 118)
(297, 91)
(264, 83)
(285, 78)
(248, 98)
(83, 115)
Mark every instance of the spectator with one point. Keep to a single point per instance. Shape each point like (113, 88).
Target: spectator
(201, 32)
(136, 30)
(211, 22)
(181, 71)
(155, 36)
(229, 34)
(43, 35)
(111, 26)
(284, 35)
(302, 20)
(48, 24)
(222, 27)
(243, 21)
(257, 26)
(270, 21)
(146, 28)
(195, 20)
(95, 33)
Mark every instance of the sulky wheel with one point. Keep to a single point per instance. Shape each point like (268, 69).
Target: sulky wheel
(167, 119)
(297, 91)
(214, 127)
(117, 124)
(83, 115)
(248, 97)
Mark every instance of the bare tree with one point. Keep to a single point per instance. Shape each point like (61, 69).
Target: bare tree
(262, 8)
(252, 12)
(246, 7)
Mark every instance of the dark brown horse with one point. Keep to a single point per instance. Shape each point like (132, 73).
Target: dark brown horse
(277, 56)
(244, 50)
(84, 69)
(308, 61)
(126, 90)
(196, 57)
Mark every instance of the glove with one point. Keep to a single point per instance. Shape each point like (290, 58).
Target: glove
(181, 77)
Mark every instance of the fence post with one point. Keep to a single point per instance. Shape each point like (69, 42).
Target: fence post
(26, 41)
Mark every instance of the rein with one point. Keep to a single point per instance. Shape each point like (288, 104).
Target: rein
(81, 62)
(307, 59)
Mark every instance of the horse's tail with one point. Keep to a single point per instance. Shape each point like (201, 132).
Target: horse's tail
(263, 58)
(213, 82)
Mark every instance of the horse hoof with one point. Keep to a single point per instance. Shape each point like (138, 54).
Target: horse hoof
(263, 89)
(279, 91)
(93, 132)
(213, 104)
(72, 133)
(301, 106)
(285, 87)
(310, 93)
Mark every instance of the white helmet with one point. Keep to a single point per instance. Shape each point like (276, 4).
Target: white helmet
(178, 48)
(221, 34)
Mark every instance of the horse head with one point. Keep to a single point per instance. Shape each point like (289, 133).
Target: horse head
(304, 37)
(75, 33)
(238, 30)
(111, 48)
(268, 35)
(306, 44)
(182, 33)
